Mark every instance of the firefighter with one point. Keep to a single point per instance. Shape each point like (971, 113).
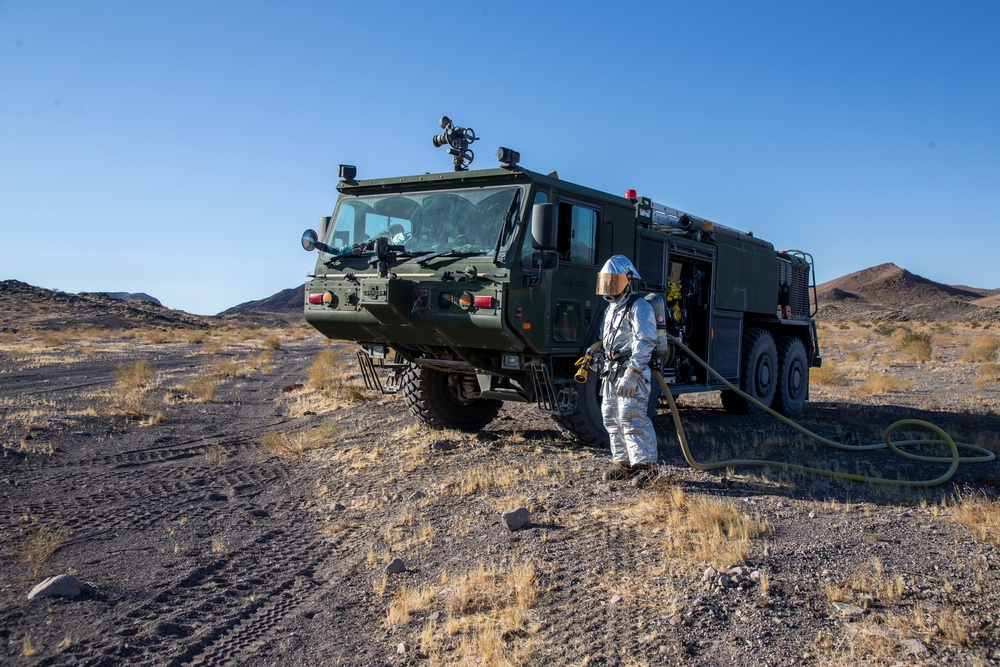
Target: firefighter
(628, 333)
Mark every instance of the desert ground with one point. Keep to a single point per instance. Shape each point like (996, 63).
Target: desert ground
(228, 493)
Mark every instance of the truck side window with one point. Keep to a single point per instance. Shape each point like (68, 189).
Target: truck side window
(526, 248)
(577, 233)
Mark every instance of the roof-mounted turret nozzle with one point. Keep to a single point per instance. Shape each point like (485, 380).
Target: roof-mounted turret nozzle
(458, 138)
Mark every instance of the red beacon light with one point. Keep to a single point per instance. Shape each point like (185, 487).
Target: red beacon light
(631, 195)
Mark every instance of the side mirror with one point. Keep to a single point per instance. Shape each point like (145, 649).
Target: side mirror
(543, 227)
(310, 242)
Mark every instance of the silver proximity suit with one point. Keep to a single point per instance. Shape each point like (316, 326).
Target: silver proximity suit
(629, 336)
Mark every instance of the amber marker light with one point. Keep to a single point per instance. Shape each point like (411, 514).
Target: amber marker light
(465, 301)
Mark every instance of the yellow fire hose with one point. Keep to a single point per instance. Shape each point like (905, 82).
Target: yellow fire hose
(981, 455)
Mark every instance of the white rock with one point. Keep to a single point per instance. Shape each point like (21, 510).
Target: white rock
(63, 585)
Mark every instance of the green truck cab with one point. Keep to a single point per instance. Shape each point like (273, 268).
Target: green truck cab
(466, 289)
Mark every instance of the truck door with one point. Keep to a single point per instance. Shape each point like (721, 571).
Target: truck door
(573, 304)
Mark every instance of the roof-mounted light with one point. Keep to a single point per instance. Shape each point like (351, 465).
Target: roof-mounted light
(347, 172)
(508, 157)
(631, 195)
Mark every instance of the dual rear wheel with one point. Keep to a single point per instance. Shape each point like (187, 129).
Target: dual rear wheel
(774, 371)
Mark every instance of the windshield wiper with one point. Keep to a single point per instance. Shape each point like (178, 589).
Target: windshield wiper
(511, 215)
(453, 252)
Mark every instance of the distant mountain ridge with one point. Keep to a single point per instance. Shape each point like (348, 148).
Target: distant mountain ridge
(129, 296)
(286, 302)
(27, 306)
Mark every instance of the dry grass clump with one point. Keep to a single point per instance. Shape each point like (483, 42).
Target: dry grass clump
(54, 338)
(986, 374)
(489, 616)
(202, 388)
(697, 529)
(880, 384)
(129, 396)
(40, 543)
(135, 375)
(293, 445)
(332, 373)
(227, 367)
(828, 374)
(915, 346)
(272, 342)
(867, 586)
(261, 361)
(879, 639)
(983, 349)
(980, 515)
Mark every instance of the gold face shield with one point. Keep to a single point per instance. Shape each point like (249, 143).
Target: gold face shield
(611, 284)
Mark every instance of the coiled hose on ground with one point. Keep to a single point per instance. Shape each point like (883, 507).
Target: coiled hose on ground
(981, 455)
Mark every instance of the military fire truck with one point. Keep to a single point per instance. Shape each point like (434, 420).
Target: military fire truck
(469, 288)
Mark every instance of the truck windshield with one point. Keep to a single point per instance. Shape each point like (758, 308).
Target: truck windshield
(465, 221)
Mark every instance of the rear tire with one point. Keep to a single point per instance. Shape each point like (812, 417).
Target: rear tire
(433, 397)
(759, 373)
(793, 376)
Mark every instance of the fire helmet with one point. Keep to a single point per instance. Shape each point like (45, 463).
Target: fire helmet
(615, 276)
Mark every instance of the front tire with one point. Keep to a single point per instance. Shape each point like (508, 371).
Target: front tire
(585, 426)
(435, 399)
(759, 373)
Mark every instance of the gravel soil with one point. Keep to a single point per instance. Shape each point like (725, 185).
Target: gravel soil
(199, 545)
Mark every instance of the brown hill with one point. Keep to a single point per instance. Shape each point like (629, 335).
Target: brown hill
(286, 302)
(24, 306)
(888, 292)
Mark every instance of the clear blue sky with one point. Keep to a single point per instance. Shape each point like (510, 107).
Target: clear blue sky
(180, 148)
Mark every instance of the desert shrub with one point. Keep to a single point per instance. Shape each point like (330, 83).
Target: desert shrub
(886, 329)
(54, 338)
(197, 336)
(292, 445)
(272, 343)
(884, 384)
(160, 336)
(982, 349)
(828, 374)
(201, 388)
(227, 367)
(135, 375)
(915, 345)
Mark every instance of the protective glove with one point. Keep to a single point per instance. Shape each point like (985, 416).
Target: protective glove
(629, 385)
